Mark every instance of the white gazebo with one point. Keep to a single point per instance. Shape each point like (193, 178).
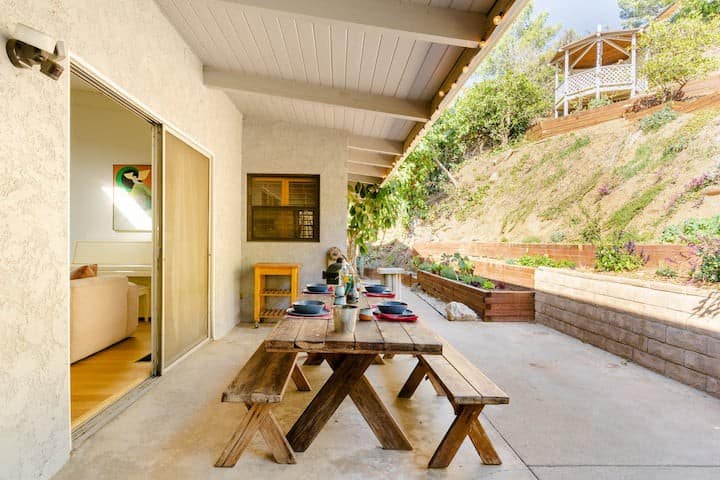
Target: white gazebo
(602, 64)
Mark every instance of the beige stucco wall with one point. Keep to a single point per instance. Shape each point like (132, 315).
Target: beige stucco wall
(277, 147)
(132, 44)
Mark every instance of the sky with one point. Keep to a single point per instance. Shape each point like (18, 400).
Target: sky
(581, 15)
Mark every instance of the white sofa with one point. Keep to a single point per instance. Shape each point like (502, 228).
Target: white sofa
(103, 311)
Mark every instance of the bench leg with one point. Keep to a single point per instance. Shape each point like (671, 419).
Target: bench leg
(314, 359)
(275, 439)
(413, 381)
(243, 435)
(299, 379)
(455, 436)
(436, 385)
(482, 444)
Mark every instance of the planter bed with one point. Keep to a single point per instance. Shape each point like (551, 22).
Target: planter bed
(511, 304)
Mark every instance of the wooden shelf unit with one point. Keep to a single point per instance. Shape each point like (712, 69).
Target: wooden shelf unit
(261, 292)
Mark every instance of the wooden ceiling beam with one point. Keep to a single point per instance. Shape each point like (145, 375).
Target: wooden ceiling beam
(374, 144)
(383, 105)
(355, 178)
(367, 170)
(430, 24)
(372, 158)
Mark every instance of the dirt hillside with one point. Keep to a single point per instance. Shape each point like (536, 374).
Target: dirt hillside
(609, 177)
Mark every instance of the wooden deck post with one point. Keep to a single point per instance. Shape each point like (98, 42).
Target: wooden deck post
(598, 62)
(557, 83)
(565, 87)
(633, 66)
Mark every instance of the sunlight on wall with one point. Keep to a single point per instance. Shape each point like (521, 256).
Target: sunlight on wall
(129, 209)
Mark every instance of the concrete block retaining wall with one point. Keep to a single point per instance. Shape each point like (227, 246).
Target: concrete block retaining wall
(673, 330)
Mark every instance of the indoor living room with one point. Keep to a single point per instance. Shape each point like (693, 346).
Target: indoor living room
(111, 152)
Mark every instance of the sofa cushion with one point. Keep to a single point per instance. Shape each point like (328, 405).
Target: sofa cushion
(86, 271)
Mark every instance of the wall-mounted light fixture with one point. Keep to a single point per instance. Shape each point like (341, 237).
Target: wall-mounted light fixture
(30, 47)
(498, 18)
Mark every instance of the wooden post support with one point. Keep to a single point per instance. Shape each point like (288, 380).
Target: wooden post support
(598, 62)
(633, 66)
(555, 96)
(567, 79)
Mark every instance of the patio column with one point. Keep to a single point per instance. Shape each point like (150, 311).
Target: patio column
(598, 63)
(633, 65)
(567, 81)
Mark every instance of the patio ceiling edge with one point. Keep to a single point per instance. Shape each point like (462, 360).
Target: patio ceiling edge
(463, 69)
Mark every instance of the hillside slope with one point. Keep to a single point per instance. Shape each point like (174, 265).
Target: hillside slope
(609, 177)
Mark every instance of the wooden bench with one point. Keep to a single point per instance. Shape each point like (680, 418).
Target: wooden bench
(260, 384)
(468, 390)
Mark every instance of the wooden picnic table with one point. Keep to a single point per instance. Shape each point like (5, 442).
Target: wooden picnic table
(350, 355)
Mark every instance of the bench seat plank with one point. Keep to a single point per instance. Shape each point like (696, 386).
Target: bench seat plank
(263, 378)
(491, 394)
(459, 390)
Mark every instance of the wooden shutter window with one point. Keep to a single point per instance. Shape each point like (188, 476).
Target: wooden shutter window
(284, 208)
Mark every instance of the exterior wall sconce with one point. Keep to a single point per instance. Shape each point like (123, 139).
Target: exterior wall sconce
(31, 47)
(498, 18)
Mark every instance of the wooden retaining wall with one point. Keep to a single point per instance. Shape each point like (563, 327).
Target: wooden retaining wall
(705, 91)
(491, 305)
(673, 330)
(504, 272)
(583, 255)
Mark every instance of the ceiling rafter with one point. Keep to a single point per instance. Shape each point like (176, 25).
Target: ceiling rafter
(430, 24)
(277, 87)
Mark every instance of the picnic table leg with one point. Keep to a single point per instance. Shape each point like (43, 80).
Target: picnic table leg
(314, 359)
(299, 379)
(413, 381)
(350, 368)
(455, 436)
(377, 416)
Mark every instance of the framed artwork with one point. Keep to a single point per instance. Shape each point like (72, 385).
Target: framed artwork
(132, 198)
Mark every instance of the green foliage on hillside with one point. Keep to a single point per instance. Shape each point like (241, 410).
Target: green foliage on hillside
(624, 215)
(692, 230)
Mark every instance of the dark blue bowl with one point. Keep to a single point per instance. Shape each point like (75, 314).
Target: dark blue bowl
(308, 307)
(378, 288)
(317, 287)
(394, 308)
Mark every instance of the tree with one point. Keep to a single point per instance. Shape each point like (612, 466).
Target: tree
(498, 110)
(678, 52)
(371, 209)
(637, 13)
(706, 9)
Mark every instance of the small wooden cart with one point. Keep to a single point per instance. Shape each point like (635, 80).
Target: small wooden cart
(262, 292)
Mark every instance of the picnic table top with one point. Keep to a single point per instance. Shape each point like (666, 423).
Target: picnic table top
(374, 336)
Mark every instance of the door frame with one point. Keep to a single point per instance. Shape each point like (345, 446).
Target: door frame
(160, 124)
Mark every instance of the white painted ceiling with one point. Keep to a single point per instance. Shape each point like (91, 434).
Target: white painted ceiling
(235, 37)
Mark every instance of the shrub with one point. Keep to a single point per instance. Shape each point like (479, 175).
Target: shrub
(618, 253)
(544, 261)
(531, 239)
(558, 237)
(706, 265)
(691, 230)
(604, 190)
(666, 272)
(658, 119)
(477, 281)
(448, 272)
(601, 102)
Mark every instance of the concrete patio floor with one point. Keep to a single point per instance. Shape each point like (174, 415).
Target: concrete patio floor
(576, 412)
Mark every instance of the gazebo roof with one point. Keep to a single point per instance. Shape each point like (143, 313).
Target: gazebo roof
(616, 46)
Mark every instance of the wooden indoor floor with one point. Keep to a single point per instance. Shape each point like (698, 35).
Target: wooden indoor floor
(102, 378)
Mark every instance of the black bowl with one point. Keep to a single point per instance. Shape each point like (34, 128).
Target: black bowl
(317, 287)
(377, 288)
(394, 308)
(308, 307)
